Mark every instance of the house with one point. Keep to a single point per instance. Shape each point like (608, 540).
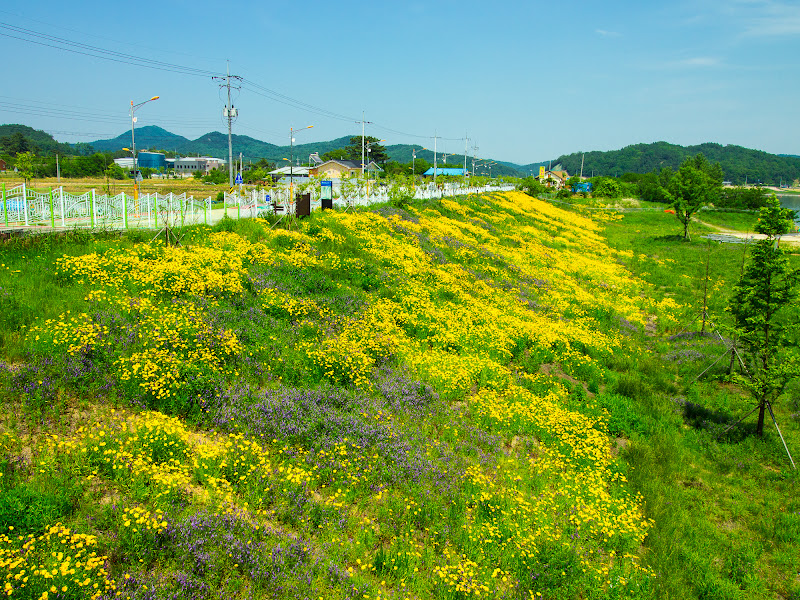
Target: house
(553, 179)
(447, 172)
(296, 172)
(3, 165)
(334, 169)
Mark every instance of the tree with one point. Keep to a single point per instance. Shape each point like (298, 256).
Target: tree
(606, 187)
(759, 307)
(377, 152)
(532, 187)
(338, 154)
(114, 171)
(25, 165)
(16, 144)
(651, 190)
(696, 184)
(215, 176)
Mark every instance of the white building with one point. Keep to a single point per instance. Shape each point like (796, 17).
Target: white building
(204, 164)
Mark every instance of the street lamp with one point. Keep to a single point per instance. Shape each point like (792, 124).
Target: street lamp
(134, 107)
(291, 160)
(368, 151)
(413, 160)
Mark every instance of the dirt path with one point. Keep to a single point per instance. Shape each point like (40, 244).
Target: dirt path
(732, 236)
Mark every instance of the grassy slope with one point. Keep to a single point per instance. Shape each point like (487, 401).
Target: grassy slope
(503, 474)
(727, 513)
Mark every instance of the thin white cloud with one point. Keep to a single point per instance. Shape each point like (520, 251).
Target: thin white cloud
(699, 61)
(606, 33)
(766, 18)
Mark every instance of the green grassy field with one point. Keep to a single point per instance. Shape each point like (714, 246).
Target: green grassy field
(489, 396)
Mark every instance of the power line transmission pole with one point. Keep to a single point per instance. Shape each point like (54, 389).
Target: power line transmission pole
(231, 113)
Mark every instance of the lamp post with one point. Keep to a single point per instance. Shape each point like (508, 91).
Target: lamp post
(291, 160)
(413, 160)
(134, 107)
(368, 148)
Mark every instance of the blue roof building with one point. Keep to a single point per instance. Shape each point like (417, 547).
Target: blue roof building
(446, 172)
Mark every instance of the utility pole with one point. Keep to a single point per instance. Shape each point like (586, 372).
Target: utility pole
(58, 171)
(434, 156)
(231, 113)
(582, 155)
(466, 141)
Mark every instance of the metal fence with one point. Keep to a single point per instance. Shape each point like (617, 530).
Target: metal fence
(24, 207)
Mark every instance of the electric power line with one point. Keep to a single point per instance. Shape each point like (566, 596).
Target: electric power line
(51, 41)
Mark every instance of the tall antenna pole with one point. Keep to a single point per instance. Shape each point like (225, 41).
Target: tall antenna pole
(231, 113)
(582, 155)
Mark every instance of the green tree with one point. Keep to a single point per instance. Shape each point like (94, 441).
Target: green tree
(377, 152)
(114, 171)
(254, 175)
(16, 144)
(759, 306)
(26, 166)
(339, 154)
(697, 183)
(531, 186)
(606, 187)
(216, 176)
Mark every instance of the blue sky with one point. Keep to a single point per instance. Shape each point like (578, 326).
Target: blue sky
(526, 81)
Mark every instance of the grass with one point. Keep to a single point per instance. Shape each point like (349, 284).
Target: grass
(744, 221)
(482, 396)
(190, 186)
(720, 502)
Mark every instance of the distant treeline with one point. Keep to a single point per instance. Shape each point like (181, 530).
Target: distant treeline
(739, 165)
(663, 185)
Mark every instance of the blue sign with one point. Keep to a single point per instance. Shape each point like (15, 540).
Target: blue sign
(238, 179)
(326, 191)
(267, 198)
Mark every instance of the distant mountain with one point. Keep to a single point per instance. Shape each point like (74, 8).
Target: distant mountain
(149, 136)
(43, 142)
(739, 164)
(216, 144)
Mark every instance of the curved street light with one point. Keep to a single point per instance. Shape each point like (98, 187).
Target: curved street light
(368, 148)
(134, 108)
(291, 160)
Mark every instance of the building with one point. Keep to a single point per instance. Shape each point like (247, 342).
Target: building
(3, 165)
(335, 169)
(446, 172)
(553, 179)
(190, 165)
(124, 163)
(151, 160)
(296, 172)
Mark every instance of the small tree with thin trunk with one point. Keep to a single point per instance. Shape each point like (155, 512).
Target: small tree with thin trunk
(761, 298)
(25, 166)
(696, 184)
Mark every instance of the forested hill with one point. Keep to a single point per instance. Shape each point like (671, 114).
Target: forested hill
(21, 138)
(737, 163)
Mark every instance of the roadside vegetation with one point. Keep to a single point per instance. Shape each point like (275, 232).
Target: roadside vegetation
(486, 396)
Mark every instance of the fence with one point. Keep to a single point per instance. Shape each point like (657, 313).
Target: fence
(22, 206)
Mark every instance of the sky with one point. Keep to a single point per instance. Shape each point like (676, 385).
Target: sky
(523, 81)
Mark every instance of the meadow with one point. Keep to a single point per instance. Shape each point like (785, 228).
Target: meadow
(486, 396)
